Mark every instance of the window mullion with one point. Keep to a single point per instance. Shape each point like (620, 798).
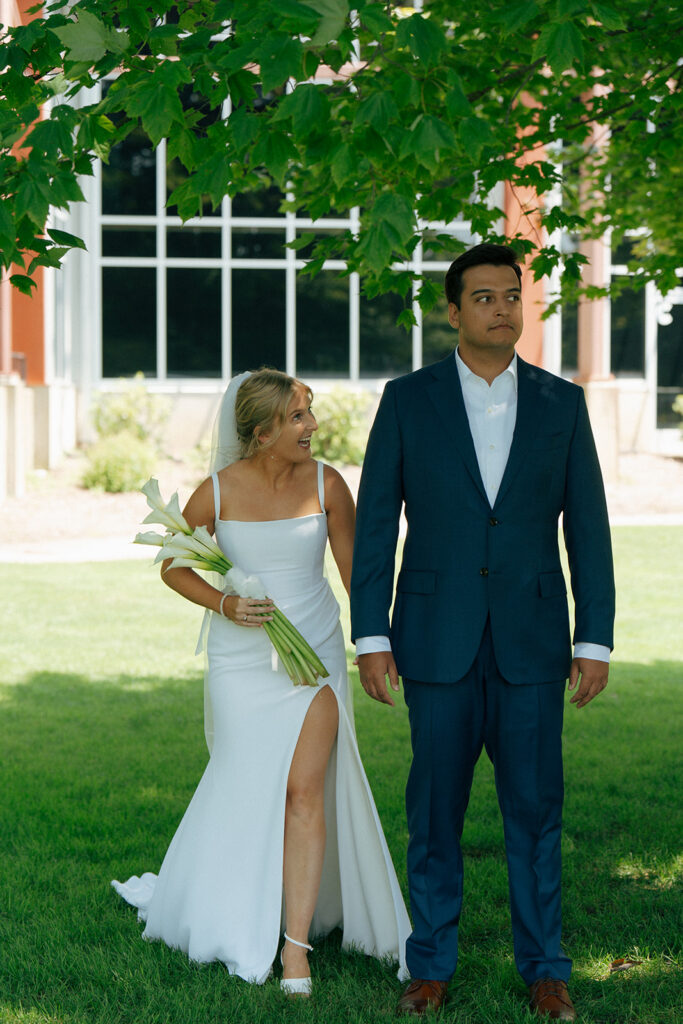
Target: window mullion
(160, 216)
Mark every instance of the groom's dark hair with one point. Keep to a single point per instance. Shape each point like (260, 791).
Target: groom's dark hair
(495, 255)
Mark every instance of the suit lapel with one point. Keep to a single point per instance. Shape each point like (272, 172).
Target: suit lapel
(445, 393)
(530, 406)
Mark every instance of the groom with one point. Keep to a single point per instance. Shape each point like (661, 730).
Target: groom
(484, 452)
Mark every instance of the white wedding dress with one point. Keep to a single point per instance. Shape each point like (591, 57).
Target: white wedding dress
(219, 893)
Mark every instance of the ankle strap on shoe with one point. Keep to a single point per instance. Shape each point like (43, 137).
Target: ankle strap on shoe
(295, 942)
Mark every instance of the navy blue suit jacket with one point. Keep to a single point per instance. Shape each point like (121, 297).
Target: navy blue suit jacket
(463, 560)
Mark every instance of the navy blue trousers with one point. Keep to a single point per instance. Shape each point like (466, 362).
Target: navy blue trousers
(521, 729)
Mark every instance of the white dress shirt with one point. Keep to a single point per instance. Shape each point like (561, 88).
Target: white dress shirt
(491, 413)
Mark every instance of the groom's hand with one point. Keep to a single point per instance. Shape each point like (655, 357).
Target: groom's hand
(373, 669)
(593, 676)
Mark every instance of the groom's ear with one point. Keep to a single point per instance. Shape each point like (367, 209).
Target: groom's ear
(454, 316)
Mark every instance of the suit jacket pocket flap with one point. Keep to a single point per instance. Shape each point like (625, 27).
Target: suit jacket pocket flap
(415, 581)
(551, 584)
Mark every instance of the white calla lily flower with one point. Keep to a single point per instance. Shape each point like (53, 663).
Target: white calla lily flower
(152, 493)
(173, 512)
(150, 537)
(168, 515)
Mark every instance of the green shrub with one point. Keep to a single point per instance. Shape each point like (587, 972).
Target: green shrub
(678, 408)
(343, 422)
(121, 462)
(131, 409)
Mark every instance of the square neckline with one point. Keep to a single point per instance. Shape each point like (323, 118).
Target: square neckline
(262, 522)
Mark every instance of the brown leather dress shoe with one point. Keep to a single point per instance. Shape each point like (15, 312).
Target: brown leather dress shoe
(550, 998)
(420, 995)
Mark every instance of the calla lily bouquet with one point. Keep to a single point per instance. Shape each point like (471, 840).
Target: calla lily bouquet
(196, 549)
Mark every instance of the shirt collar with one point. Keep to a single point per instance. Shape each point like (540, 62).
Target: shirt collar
(465, 373)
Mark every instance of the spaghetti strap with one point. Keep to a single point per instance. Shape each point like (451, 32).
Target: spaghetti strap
(321, 486)
(216, 496)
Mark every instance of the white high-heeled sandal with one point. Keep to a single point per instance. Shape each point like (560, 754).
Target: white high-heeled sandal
(296, 986)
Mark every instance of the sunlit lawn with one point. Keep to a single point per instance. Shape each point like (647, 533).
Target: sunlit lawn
(101, 747)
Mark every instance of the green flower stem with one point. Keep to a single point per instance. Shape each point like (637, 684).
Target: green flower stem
(300, 643)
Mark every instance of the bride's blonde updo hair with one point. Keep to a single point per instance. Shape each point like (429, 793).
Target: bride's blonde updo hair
(261, 407)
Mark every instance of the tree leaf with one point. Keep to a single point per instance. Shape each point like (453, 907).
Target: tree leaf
(427, 141)
(302, 241)
(344, 164)
(158, 106)
(306, 106)
(608, 17)
(391, 208)
(23, 283)
(515, 16)
(377, 110)
(333, 15)
(31, 202)
(88, 39)
(457, 103)
(65, 189)
(245, 128)
(375, 247)
(423, 37)
(407, 91)
(275, 151)
(64, 238)
(280, 58)
(561, 44)
(570, 8)
(7, 229)
(406, 318)
(376, 20)
(182, 144)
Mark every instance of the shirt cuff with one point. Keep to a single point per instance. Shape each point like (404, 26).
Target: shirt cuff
(595, 651)
(372, 644)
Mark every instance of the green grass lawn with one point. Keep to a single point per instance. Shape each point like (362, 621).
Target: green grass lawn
(101, 747)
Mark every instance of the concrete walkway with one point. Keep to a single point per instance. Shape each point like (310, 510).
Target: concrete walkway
(57, 521)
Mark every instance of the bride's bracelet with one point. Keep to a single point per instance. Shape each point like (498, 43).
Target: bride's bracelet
(220, 607)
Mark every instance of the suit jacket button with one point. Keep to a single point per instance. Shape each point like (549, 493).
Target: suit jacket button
(483, 572)
(493, 521)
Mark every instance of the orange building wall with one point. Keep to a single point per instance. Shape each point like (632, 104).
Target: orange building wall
(517, 205)
(28, 329)
(27, 313)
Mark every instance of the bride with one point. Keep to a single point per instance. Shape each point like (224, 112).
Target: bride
(282, 834)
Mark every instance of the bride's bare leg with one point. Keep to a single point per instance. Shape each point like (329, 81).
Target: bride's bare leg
(304, 846)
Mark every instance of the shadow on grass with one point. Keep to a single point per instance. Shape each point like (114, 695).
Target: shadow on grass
(97, 774)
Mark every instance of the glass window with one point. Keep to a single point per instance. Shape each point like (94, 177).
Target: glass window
(129, 321)
(438, 337)
(193, 346)
(386, 350)
(570, 338)
(264, 203)
(628, 332)
(669, 368)
(322, 325)
(258, 243)
(129, 179)
(193, 243)
(133, 240)
(258, 319)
